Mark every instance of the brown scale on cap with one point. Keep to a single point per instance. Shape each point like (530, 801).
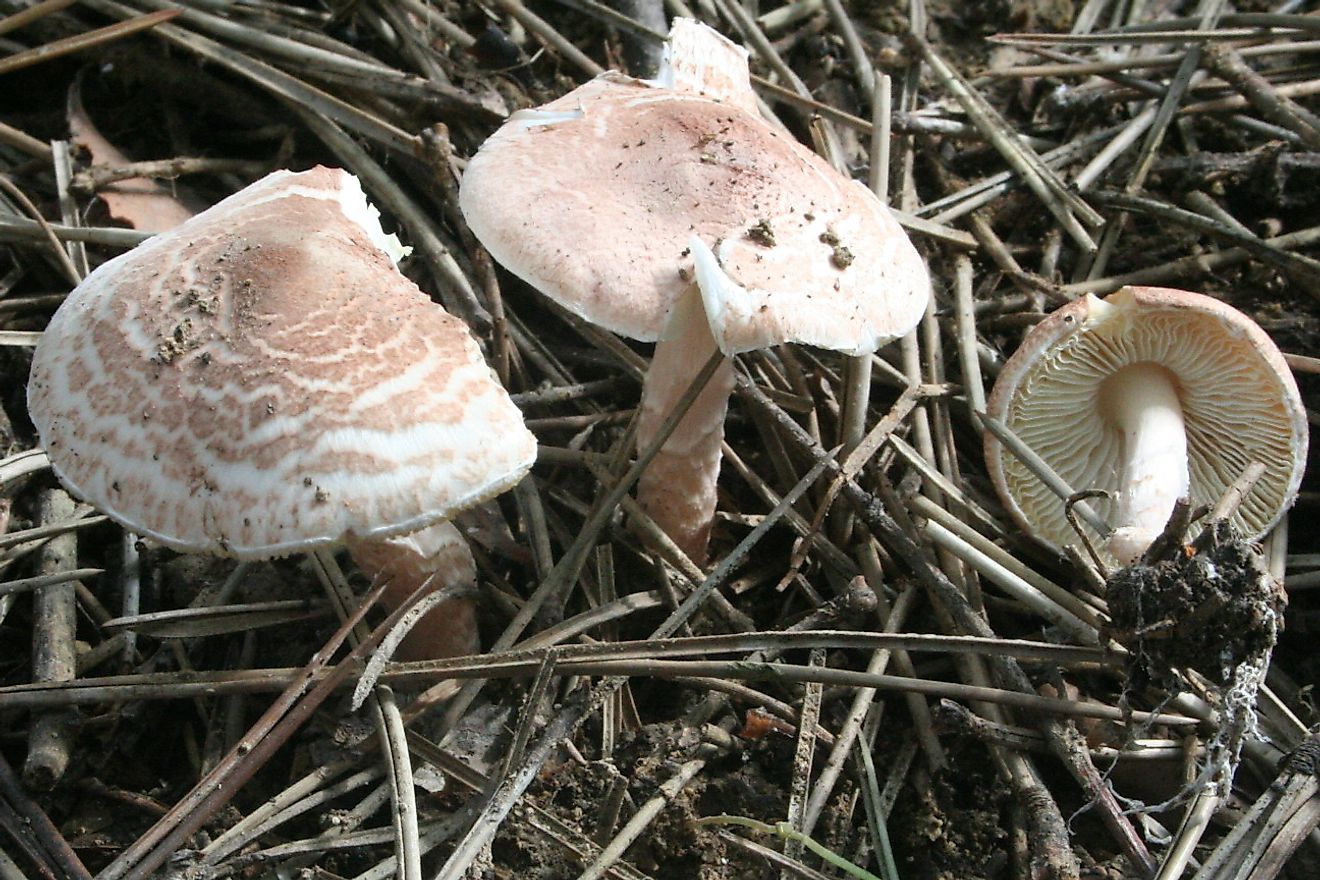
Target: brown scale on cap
(262, 380)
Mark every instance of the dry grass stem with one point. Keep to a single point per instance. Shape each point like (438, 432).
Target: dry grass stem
(87, 40)
(875, 652)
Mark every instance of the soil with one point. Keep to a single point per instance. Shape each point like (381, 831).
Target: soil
(1208, 610)
(131, 758)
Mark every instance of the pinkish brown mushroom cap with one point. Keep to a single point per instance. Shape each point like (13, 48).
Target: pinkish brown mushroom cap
(595, 198)
(262, 380)
(668, 210)
(1239, 403)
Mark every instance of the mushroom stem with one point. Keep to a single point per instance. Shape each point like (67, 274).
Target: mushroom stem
(438, 552)
(1142, 402)
(678, 488)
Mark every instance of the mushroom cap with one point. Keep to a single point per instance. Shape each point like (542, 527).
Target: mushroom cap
(593, 198)
(1239, 400)
(262, 380)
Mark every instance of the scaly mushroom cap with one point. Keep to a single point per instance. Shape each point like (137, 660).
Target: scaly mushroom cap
(593, 199)
(1239, 403)
(262, 380)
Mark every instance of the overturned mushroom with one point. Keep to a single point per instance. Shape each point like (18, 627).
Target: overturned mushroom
(1149, 395)
(262, 380)
(667, 210)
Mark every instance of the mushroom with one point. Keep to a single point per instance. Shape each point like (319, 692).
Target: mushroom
(436, 556)
(1149, 395)
(667, 210)
(261, 380)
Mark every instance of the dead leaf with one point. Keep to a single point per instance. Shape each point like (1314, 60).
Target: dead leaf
(140, 202)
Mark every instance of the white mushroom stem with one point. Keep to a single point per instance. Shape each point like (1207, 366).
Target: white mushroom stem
(678, 488)
(405, 562)
(1142, 402)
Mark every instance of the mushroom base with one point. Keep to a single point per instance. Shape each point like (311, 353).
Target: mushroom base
(1211, 611)
(437, 556)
